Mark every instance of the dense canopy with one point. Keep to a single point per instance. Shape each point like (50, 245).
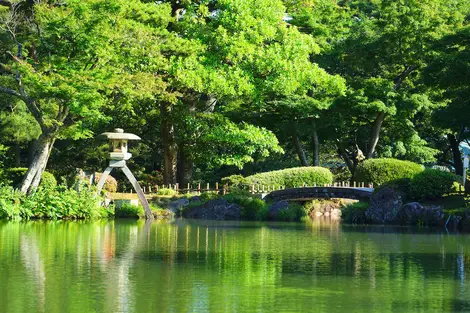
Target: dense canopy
(222, 87)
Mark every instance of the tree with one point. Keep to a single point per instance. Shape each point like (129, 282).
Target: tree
(382, 55)
(449, 70)
(66, 61)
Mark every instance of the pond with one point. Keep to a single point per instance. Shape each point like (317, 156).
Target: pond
(208, 266)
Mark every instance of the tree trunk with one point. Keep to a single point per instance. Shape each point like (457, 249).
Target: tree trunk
(316, 145)
(298, 148)
(170, 147)
(347, 159)
(38, 164)
(375, 134)
(185, 168)
(456, 155)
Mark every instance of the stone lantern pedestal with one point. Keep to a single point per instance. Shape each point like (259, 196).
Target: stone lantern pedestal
(118, 157)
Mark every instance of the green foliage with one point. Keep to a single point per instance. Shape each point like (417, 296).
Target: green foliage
(432, 184)
(153, 179)
(46, 203)
(237, 181)
(293, 177)
(401, 185)
(294, 213)
(380, 171)
(355, 213)
(48, 180)
(252, 208)
(15, 175)
(166, 192)
(127, 210)
(207, 196)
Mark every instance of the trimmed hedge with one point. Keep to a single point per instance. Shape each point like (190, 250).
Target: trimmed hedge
(432, 184)
(293, 177)
(15, 175)
(380, 171)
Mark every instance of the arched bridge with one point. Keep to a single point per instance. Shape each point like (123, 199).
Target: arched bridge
(310, 193)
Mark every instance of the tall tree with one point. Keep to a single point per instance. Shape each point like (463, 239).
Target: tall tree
(66, 61)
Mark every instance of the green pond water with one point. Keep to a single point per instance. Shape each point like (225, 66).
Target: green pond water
(207, 266)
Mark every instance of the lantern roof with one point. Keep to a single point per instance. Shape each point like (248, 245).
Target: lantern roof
(119, 134)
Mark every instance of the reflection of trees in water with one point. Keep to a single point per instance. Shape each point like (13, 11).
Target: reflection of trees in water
(187, 266)
(34, 265)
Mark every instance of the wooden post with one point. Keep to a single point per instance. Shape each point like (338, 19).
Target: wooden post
(177, 186)
(354, 184)
(189, 189)
(252, 189)
(145, 190)
(225, 189)
(263, 188)
(199, 188)
(217, 187)
(150, 189)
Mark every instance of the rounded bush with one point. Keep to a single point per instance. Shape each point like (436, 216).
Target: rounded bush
(380, 171)
(235, 181)
(293, 177)
(48, 180)
(110, 185)
(15, 175)
(432, 184)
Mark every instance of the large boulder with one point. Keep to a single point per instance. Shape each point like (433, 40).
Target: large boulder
(178, 204)
(277, 207)
(410, 213)
(218, 209)
(384, 206)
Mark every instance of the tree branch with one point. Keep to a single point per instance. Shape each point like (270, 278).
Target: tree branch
(401, 78)
(6, 3)
(11, 92)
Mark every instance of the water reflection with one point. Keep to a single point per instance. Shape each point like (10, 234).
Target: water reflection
(133, 266)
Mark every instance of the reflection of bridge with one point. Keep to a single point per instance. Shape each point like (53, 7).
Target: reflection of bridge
(310, 193)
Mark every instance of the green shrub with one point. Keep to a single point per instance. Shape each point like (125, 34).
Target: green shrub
(380, 171)
(127, 210)
(166, 192)
(355, 213)
(432, 184)
(293, 177)
(110, 184)
(402, 186)
(11, 204)
(294, 213)
(15, 175)
(237, 181)
(252, 208)
(207, 196)
(48, 180)
(60, 203)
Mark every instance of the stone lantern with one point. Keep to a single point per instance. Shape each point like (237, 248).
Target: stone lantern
(118, 157)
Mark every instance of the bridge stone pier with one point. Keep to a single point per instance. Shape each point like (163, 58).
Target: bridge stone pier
(310, 193)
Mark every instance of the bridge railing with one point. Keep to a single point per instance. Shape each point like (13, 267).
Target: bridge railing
(199, 188)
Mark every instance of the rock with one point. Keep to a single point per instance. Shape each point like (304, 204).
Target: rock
(194, 199)
(384, 206)
(335, 214)
(178, 204)
(277, 207)
(218, 209)
(410, 213)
